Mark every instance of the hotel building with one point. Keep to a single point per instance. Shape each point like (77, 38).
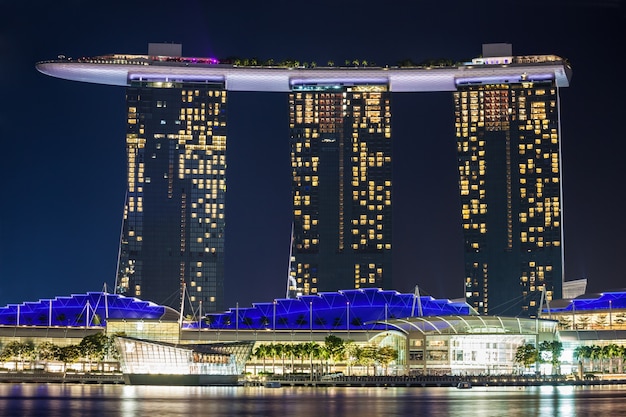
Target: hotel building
(341, 183)
(509, 161)
(509, 166)
(174, 215)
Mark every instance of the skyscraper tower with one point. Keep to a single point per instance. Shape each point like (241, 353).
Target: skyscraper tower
(341, 183)
(173, 227)
(509, 161)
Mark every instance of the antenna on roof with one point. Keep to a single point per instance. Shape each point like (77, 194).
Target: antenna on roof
(418, 299)
(106, 301)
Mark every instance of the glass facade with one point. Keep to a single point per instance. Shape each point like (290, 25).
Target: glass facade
(340, 140)
(174, 218)
(148, 357)
(448, 345)
(509, 166)
(605, 311)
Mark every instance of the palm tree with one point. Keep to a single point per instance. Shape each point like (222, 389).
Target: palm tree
(596, 353)
(271, 352)
(621, 353)
(581, 353)
(611, 352)
(290, 350)
(312, 350)
(261, 352)
(324, 356)
(554, 348)
(280, 349)
(300, 353)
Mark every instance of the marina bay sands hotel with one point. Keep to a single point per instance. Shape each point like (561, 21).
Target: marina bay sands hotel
(509, 165)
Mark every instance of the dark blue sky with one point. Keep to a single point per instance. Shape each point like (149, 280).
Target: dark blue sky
(62, 167)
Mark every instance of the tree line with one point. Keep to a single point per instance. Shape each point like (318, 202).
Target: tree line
(594, 356)
(334, 350)
(547, 352)
(92, 348)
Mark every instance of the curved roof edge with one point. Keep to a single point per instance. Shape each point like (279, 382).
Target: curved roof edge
(354, 309)
(281, 79)
(607, 300)
(475, 325)
(89, 309)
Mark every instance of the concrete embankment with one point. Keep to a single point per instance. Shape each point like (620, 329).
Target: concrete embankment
(58, 377)
(433, 381)
(342, 381)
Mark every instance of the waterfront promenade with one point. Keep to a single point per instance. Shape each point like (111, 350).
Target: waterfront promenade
(436, 381)
(59, 377)
(335, 381)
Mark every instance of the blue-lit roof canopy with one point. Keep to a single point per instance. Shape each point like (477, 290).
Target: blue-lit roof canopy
(349, 309)
(603, 301)
(362, 309)
(90, 309)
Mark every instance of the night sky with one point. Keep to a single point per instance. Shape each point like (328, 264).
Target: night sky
(62, 167)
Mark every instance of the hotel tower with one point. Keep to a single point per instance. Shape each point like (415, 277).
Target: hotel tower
(509, 162)
(341, 184)
(172, 234)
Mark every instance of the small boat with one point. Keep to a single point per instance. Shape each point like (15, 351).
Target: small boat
(272, 384)
(464, 385)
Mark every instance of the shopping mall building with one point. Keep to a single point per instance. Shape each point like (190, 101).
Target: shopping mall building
(430, 336)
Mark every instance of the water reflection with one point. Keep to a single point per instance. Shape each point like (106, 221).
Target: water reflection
(129, 401)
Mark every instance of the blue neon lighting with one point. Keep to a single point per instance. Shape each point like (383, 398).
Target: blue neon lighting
(343, 310)
(602, 301)
(88, 309)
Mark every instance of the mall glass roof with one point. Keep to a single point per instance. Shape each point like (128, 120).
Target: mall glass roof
(475, 324)
(602, 301)
(90, 309)
(361, 309)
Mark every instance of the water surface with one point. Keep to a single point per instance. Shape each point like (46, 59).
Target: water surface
(71, 400)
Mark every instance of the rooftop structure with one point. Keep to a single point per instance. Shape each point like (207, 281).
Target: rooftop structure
(361, 308)
(123, 69)
(589, 302)
(83, 310)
